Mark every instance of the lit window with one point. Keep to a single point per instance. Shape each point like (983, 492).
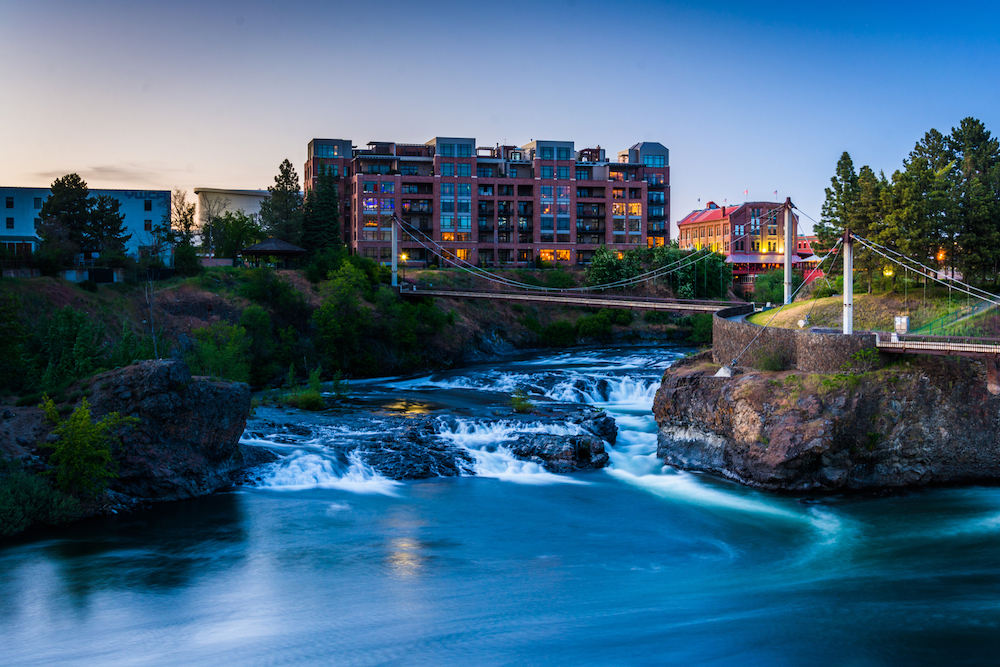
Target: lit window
(618, 209)
(562, 255)
(619, 193)
(547, 255)
(513, 172)
(369, 204)
(447, 236)
(546, 192)
(462, 253)
(635, 210)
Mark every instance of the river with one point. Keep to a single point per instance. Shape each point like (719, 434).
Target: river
(324, 562)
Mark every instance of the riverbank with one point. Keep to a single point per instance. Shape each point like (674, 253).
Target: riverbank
(926, 421)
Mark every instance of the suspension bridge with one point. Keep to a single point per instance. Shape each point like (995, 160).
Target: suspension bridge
(504, 288)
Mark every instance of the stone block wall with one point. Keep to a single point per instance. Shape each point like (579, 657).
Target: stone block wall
(772, 348)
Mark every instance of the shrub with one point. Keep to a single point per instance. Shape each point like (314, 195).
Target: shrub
(311, 400)
(26, 499)
(863, 361)
(82, 453)
(560, 279)
(221, 350)
(594, 326)
(88, 285)
(519, 401)
(559, 334)
(701, 329)
(657, 317)
(771, 360)
(339, 387)
(623, 317)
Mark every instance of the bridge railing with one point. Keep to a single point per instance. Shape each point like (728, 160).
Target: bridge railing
(556, 293)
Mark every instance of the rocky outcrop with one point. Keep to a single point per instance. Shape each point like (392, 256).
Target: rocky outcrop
(929, 423)
(187, 441)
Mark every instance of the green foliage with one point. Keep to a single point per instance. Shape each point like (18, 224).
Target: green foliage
(321, 215)
(310, 400)
(863, 361)
(65, 347)
(27, 499)
(12, 340)
(339, 386)
(519, 401)
(230, 233)
(281, 213)
(560, 279)
(221, 350)
(770, 359)
(658, 317)
(314, 381)
(701, 329)
(82, 453)
(186, 260)
(770, 287)
(597, 325)
(559, 334)
(323, 263)
(88, 285)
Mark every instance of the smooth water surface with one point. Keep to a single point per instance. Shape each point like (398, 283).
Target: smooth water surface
(326, 562)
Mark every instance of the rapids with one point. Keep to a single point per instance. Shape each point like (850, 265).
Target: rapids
(322, 560)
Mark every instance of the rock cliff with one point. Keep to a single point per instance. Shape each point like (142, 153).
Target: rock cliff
(187, 441)
(923, 422)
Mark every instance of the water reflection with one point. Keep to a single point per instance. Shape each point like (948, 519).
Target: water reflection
(156, 550)
(405, 558)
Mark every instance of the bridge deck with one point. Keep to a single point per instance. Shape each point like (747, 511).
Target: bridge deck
(576, 299)
(909, 344)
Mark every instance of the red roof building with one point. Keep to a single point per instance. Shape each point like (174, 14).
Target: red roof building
(751, 236)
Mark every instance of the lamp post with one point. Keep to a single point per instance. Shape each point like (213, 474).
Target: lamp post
(403, 257)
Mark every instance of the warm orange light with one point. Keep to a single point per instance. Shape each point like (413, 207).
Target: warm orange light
(940, 255)
(887, 272)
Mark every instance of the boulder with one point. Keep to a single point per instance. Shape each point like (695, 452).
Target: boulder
(187, 441)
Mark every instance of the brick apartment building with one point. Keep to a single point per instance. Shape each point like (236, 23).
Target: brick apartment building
(751, 236)
(497, 205)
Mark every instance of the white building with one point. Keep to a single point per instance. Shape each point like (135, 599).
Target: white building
(22, 208)
(216, 201)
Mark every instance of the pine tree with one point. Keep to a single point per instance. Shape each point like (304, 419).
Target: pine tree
(281, 213)
(841, 198)
(321, 215)
(68, 206)
(107, 230)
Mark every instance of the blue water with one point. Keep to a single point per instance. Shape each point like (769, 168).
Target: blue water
(634, 565)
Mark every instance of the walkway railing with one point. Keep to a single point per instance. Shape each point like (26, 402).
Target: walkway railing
(577, 299)
(948, 345)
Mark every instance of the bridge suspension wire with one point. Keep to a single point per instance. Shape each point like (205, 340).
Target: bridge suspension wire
(677, 265)
(952, 283)
(836, 247)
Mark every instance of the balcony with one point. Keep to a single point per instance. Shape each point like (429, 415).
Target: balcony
(485, 209)
(420, 206)
(589, 226)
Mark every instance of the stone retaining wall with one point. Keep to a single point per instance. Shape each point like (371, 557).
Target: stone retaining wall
(777, 348)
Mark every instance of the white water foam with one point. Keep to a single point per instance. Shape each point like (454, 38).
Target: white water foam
(304, 470)
(483, 441)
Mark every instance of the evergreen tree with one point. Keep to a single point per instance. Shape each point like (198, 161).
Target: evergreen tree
(68, 206)
(841, 199)
(281, 213)
(321, 215)
(974, 201)
(107, 230)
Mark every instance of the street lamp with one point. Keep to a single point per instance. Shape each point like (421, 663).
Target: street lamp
(403, 257)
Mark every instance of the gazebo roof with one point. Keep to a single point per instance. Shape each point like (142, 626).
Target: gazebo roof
(273, 246)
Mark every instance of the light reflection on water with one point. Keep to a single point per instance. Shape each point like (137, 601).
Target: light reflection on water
(641, 565)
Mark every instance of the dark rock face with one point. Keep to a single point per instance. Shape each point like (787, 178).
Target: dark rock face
(561, 453)
(187, 441)
(415, 453)
(929, 424)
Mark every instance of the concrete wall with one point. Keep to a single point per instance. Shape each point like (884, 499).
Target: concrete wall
(790, 348)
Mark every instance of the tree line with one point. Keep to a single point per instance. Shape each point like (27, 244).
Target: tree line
(941, 208)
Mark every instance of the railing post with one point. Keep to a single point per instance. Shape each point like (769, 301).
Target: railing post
(848, 283)
(789, 245)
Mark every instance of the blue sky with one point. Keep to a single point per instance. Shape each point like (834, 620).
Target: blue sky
(758, 96)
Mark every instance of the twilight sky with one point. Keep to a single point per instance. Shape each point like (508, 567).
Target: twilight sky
(762, 96)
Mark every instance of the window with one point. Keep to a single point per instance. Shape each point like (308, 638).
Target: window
(447, 150)
(654, 160)
(10, 223)
(485, 190)
(546, 192)
(619, 193)
(547, 172)
(513, 172)
(547, 255)
(147, 205)
(562, 255)
(484, 172)
(583, 174)
(447, 189)
(464, 170)
(463, 190)
(563, 154)
(388, 187)
(38, 223)
(447, 168)
(562, 208)
(465, 222)
(388, 205)
(635, 210)
(462, 253)
(653, 179)
(656, 197)
(655, 211)
(147, 225)
(618, 210)
(562, 223)
(562, 191)
(546, 153)
(546, 222)
(38, 203)
(447, 205)
(546, 208)
(464, 205)
(562, 173)
(369, 204)
(369, 186)
(408, 170)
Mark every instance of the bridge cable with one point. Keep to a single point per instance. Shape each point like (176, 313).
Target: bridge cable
(778, 310)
